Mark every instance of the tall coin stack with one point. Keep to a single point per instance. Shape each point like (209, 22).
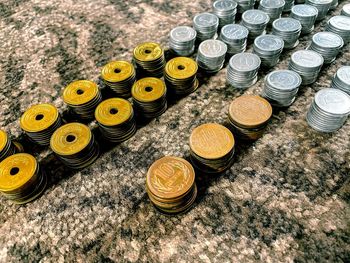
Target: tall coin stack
(226, 11)
(170, 185)
(7, 147)
(306, 15)
(244, 5)
(329, 110)
(288, 5)
(235, 37)
(206, 25)
(273, 8)
(341, 79)
(256, 22)
(39, 122)
(345, 11)
(322, 7)
(340, 25)
(182, 40)
(115, 118)
(211, 55)
(288, 29)
(212, 148)
(268, 48)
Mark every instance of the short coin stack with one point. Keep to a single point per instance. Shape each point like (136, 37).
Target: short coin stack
(211, 55)
(170, 185)
(340, 25)
(212, 148)
(273, 8)
(182, 40)
(322, 7)
(306, 15)
(288, 5)
(341, 79)
(226, 11)
(244, 5)
(7, 147)
(235, 37)
(206, 25)
(329, 110)
(256, 22)
(268, 48)
(345, 11)
(288, 29)
(115, 118)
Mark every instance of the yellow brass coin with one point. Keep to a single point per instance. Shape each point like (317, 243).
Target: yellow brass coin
(113, 111)
(39, 118)
(148, 51)
(181, 68)
(70, 139)
(16, 170)
(211, 141)
(3, 140)
(148, 89)
(117, 71)
(80, 92)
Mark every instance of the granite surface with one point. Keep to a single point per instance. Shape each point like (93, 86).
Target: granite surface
(285, 199)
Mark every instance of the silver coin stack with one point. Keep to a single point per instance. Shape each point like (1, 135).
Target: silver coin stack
(256, 22)
(243, 70)
(341, 26)
(281, 87)
(273, 8)
(206, 25)
(306, 15)
(307, 64)
(211, 55)
(182, 40)
(268, 48)
(288, 29)
(288, 5)
(329, 110)
(327, 44)
(235, 37)
(334, 5)
(244, 5)
(322, 7)
(226, 11)
(341, 79)
(345, 11)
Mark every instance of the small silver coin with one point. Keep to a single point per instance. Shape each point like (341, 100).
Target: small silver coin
(269, 42)
(212, 48)
(183, 34)
(206, 20)
(333, 101)
(245, 62)
(234, 31)
(307, 59)
(284, 79)
(287, 24)
(255, 17)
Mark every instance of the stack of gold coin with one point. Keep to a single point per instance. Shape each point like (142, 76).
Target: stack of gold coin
(170, 184)
(21, 179)
(74, 145)
(119, 76)
(149, 59)
(149, 97)
(39, 122)
(249, 116)
(180, 75)
(82, 97)
(7, 147)
(212, 148)
(115, 119)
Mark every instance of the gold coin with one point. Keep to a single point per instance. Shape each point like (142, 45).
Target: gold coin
(70, 139)
(211, 141)
(113, 112)
(80, 92)
(181, 68)
(250, 111)
(148, 51)
(39, 118)
(16, 170)
(3, 140)
(148, 89)
(170, 177)
(117, 71)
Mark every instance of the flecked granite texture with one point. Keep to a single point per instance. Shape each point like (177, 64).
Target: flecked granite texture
(285, 199)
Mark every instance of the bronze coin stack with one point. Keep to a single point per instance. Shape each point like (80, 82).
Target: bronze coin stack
(170, 184)
(212, 148)
(7, 146)
(249, 116)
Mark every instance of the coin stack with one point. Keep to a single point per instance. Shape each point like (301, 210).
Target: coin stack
(288, 5)
(149, 59)
(273, 8)
(82, 97)
(119, 76)
(7, 147)
(212, 148)
(180, 76)
(334, 5)
(74, 145)
(244, 5)
(341, 79)
(288, 29)
(345, 11)
(281, 87)
(306, 15)
(182, 40)
(235, 37)
(322, 7)
(211, 55)
(149, 97)
(255, 21)
(206, 25)
(329, 110)
(249, 116)
(115, 118)
(226, 11)
(39, 122)
(268, 48)
(340, 25)
(243, 70)
(21, 178)
(307, 64)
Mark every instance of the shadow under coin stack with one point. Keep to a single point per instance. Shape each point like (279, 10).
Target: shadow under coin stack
(212, 148)
(340, 25)
(235, 37)
(39, 122)
(306, 15)
(288, 29)
(21, 178)
(327, 44)
(226, 11)
(341, 79)
(322, 7)
(206, 25)
(74, 145)
(170, 185)
(268, 48)
(211, 55)
(182, 40)
(255, 21)
(115, 119)
(249, 116)
(7, 147)
(273, 8)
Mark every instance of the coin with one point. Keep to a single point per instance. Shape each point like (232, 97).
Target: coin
(327, 44)
(211, 55)
(206, 25)
(340, 25)
(255, 21)
(226, 11)
(182, 40)
(346, 10)
(148, 51)
(3, 140)
(322, 7)
(273, 8)
(306, 15)
(268, 48)
(341, 79)
(288, 29)
(7, 147)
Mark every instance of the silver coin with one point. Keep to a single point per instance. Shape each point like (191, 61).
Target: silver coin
(255, 17)
(245, 62)
(307, 59)
(269, 42)
(234, 31)
(341, 22)
(206, 20)
(346, 10)
(328, 40)
(287, 24)
(304, 10)
(343, 74)
(225, 5)
(333, 101)
(183, 34)
(284, 79)
(213, 48)
(272, 3)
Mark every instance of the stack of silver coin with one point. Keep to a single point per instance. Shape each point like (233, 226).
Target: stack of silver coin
(206, 25)
(211, 55)
(255, 21)
(307, 64)
(288, 5)
(268, 48)
(281, 87)
(273, 8)
(226, 11)
(244, 5)
(182, 40)
(334, 5)
(329, 110)
(327, 44)
(235, 37)
(322, 7)
(341, 79)
(345, 11)
(243, 70)
(288, 29)
(341, 26)
(306, 15)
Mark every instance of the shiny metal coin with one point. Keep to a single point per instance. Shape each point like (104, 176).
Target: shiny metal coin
(341, 79)
(255, 21)
(211, 55)
(306, 15)
(225, 10)
(235, 37)
(182, 40)
(268, 48)
(273, 8)
(340, 25)
(327, 44)
(206, 25)
(288, 29)
(345, 11)
(322, 7)
(244, 5)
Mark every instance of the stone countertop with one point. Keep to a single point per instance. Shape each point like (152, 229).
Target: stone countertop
(285, 199)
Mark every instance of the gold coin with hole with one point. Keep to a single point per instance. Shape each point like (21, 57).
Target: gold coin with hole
(181, 68)
(80, 92)
(3, 140)
(148, 89)
(148, 51)
(117, 71)
(113, 111)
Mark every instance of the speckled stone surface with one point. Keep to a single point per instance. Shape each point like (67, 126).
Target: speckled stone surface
(285, 199)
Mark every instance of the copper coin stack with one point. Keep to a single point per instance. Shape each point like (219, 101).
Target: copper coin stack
(7, 146)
